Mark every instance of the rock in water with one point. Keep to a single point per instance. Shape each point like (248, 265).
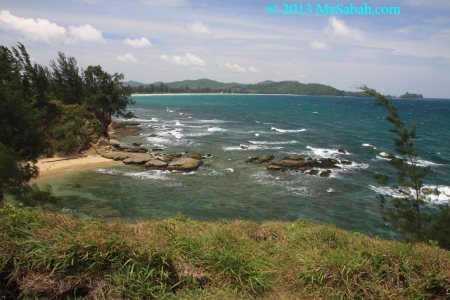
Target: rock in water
(117, 155)
(156, 164)
(260, 159)
(137, 158)
(185, 164)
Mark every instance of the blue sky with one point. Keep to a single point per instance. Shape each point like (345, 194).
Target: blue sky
(169, 40)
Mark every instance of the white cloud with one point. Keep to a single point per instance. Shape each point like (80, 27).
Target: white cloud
(36, 30)
(198, 28)
(44, 31)
(238, 68)
(165, 2)
(339, 29)
(187, 60)
(85, 33)
(127, 58)
(318, 45)
(142, 42)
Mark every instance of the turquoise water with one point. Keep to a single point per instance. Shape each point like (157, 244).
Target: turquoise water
(234, 127)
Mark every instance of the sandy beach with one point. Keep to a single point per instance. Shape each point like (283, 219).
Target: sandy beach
(52, 167)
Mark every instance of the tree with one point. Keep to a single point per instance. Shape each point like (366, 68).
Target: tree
(106, 95)
(410, 213)
(67, 84)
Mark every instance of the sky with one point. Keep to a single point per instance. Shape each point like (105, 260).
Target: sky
(240, 41)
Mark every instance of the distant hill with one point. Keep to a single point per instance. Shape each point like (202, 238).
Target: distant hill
(205, 85)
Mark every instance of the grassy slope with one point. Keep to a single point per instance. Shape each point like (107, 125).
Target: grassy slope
(46, 254)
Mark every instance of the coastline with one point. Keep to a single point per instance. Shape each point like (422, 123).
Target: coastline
(58, 166)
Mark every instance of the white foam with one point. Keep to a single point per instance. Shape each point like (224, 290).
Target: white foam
(315, 112)
(326, 152)
(273, 143)
(369, 145)
(178, 123)
(176, 133)
(257, 134)
(212, 121)
(149, 175)
(242, 147)
(141, 120)
(418, 161)
(216, 129)
(108, 171)
(440, 194)
(231, 170)
(287, 130)
(331, 190)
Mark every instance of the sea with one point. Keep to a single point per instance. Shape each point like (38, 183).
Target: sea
(235, 127)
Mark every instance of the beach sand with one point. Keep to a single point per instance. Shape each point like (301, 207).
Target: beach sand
(53, 167)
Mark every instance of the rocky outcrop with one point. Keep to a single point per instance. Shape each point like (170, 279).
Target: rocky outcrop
(185, 164)
(302, 164)
(156, 164)
(137, 159)
(124, 128)
(260, 159)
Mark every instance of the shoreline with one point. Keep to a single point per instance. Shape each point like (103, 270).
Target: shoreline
(58, 166)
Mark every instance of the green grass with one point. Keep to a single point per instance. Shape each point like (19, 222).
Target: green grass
(52, 255)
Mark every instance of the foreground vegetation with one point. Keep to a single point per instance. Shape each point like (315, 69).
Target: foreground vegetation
(48, 255)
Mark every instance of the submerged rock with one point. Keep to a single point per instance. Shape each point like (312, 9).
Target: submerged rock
(260, 159)
(326, 173)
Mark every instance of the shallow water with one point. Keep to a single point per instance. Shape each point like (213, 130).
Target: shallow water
(234, 127)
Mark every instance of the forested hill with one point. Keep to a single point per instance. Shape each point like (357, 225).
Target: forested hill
(265, 87)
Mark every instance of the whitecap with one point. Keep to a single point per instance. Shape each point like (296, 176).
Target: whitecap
(231, 170)
(326, 152)
(257, 134)
(369, 145)
(287, 130)
(331, 190)
(176, 133)
(439, 194)
(273, 143)
(315, 112)
(178, 123)
(108, 171)
(216, 129)
(149, 175)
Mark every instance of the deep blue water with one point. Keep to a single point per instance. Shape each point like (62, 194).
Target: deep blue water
(234, 127)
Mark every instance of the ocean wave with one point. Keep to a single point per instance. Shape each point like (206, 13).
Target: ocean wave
(211, 121)
(273, 143)
(243, 147)
(433, 193)
(418, 161)
(178, 123)
(216, 129)
(108, 171)
(326, 152)
(287, 130)
(369, 145)
(151, 174)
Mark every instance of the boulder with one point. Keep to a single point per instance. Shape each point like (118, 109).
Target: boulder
(260, 159)
(340, 150)
(313, 172)
(293, 157)
(116, 155)
(156, 164)
(196, 155)
(325, 173)
(137, 144)
(169, 157)
(137, 159)
(135, 150)
(291, 164)
(274, 167)
(114, 142)
(185, 164)
(346, 162)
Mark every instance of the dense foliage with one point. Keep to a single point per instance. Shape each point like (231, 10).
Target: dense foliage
(46, 110)
(265, 87)
(411, 214)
